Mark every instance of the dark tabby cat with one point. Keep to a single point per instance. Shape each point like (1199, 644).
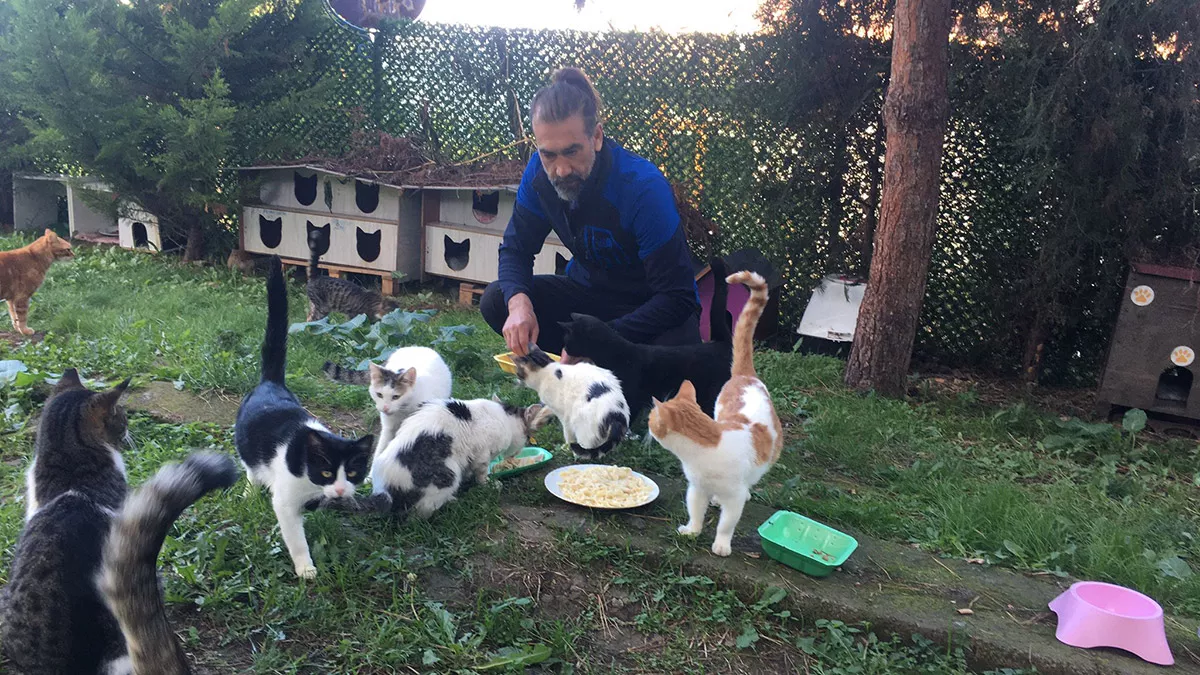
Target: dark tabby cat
(129, 579)
(647, 371)
(326, 294)
(284, 447)
(52, 617)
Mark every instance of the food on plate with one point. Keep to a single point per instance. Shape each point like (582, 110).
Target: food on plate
(515, 463)
(604, 486)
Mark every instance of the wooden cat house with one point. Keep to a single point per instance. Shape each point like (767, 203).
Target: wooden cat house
(373, 227)
(46, 200)
(464, 227)
(1152, 357)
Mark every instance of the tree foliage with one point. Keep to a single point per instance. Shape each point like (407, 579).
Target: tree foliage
(156, 97)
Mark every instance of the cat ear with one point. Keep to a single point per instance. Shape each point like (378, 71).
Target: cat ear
(110, 398)
(496, 398)
(655, 402)
(376, 372)
(365, 443)
(537, 415)
(409, 376)
(576, 316)
(49, 233)
(687, 390)
(69, 380)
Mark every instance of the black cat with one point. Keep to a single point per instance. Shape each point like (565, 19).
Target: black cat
(653, 370)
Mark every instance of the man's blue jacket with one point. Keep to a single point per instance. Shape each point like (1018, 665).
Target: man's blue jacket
(624, 235)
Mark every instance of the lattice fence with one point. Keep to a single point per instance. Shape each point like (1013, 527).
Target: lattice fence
(693, 105)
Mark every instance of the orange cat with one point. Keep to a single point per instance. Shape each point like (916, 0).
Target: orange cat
(22, 272)
(723, 458)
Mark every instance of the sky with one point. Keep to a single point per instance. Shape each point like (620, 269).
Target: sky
(673, 16)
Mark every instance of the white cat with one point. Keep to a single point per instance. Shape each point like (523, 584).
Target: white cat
(411, 376)
(444, 447)
(586, 398)
(724, 457)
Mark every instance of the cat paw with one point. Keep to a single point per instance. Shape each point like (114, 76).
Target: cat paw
(688, 530)
(722, 548)
(25, 330)
(305, 570)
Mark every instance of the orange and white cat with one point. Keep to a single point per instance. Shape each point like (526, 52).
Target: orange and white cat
(724, 457)
(22, 272)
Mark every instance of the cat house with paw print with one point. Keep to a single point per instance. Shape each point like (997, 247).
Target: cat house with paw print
(1151, 361)
(370, 227)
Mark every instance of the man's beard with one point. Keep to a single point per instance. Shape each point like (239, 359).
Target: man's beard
(568, 187)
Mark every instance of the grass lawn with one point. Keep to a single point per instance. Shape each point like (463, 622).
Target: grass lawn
(1010, 486)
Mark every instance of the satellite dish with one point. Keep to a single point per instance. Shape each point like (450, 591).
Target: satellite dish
(368, 13)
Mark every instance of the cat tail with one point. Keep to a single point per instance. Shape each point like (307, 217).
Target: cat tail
(274, 349)
(129, 570)
(314, 258)
(718, 329)
(743, 333)
(346, 375)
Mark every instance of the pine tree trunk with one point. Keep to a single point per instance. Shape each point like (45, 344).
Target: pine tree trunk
(915, 118)
(195, 241)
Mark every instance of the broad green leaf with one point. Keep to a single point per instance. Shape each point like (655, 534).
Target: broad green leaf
(1134, 420)
(9, 371)
(1174, 567)
(510, 656)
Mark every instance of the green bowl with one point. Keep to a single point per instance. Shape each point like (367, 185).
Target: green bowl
(542, 455)
(804, 544)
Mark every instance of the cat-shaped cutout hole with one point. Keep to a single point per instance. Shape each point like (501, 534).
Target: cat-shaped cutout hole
(270, 232)
(1174, 387)
(485, 205)
(366, 196)
(322, 246)
(305, 188)
(368, 244)
(560, 264)
(457, 254)
(141, 238)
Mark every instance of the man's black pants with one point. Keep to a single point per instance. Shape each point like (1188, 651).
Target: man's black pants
(556, 297)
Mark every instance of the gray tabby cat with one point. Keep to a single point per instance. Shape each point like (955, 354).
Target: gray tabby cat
(52, 617)
(326, 294)
(129, 579)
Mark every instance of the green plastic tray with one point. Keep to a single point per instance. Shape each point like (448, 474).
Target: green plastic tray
(799, 543)
(545, 456)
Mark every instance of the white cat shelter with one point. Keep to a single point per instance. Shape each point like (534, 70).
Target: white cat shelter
(44, 200)
(381, 228)
(373, 227)
(464, 228)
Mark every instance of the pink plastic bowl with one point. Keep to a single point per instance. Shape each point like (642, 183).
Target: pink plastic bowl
(1095, 614)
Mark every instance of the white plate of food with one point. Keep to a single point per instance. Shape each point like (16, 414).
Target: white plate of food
(601, 486)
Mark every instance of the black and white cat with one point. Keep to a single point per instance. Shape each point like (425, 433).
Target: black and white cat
(52, 616)
(586, 398)
(443, 448)
(410, 377)
(285, 448)
(647, 371)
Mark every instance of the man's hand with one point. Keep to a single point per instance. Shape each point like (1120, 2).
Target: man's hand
(521, 328)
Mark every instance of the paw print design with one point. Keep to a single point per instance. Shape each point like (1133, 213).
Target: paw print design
(1142, 296)
(1183, 356)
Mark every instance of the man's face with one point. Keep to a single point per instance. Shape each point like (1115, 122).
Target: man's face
(568, 153)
